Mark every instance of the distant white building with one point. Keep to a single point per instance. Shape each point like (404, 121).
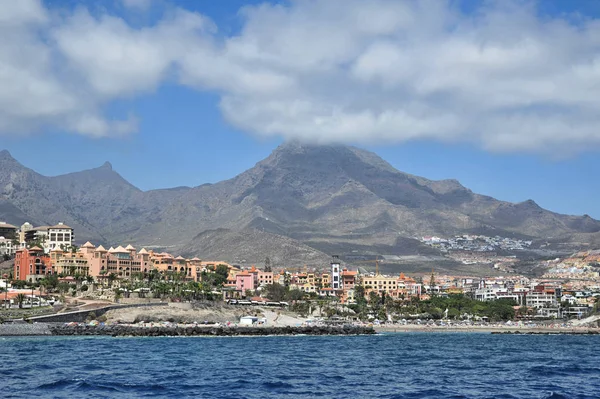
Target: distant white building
(51, 237)
(7, 247)
(336, 283)
(540, 300)
(60, 236)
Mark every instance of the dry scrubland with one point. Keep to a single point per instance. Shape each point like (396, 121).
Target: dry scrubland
(212, 313)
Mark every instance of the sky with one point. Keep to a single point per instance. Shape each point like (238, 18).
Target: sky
(503, 95)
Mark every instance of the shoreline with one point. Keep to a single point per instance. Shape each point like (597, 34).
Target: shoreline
(190, 330)
(124, 330)
(490, 330)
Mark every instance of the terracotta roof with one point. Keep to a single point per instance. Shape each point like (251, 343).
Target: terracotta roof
(196, 259)
(7, 226)
(258, 299)
(111, 250)
(180, 258)
(60, 226)
(36, 248)
(143, 252)
(88, 245)
(130, 248)
(57, 249)
(121, 250)
(101, 249)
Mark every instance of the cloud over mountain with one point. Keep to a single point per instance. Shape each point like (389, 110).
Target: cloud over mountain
(503, 75)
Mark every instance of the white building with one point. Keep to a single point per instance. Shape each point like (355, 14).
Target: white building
(336, 283)
(540, 300)
(59, 236)
(7, 247)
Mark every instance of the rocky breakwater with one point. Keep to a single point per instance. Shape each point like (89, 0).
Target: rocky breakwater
(192, 331)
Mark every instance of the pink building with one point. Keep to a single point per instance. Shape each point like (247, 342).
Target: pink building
(244, 281)
(264, 278)
(124, 262)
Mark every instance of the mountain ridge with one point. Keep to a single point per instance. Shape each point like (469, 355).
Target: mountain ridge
(317, 196)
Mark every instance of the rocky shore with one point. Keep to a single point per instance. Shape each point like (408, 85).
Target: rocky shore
(25, 329)
(191, 331)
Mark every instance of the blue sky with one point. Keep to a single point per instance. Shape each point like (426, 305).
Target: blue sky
(502, 96)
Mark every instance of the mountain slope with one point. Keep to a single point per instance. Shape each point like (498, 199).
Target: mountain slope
(334, 197)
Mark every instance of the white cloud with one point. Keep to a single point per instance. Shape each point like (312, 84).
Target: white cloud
(390, 71)
(137, 4)
(326, 71)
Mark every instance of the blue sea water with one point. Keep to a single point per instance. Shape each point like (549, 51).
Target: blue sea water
(403, 365)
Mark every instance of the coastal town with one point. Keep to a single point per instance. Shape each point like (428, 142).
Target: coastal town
(49, 268)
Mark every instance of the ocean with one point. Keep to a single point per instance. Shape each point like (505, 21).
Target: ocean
(402, 365)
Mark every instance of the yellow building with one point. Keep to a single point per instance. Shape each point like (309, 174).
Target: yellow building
(380, 284)
(69, 263)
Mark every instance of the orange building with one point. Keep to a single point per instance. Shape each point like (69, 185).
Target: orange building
(32, 264)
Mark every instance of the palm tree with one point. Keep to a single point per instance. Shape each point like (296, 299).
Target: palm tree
(20, 300)
(111, 278)
(118, 295)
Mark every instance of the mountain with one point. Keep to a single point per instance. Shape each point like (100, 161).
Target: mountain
(316, 199)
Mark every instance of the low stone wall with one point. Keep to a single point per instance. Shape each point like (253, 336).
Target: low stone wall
(137, 301)
(81, 315)
(125, 330)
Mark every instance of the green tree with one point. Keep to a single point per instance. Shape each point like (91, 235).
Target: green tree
(276, 292)
(359, 295)
(268, 264)
(111, 279)
(20, 299)
(118, 295)
(19, 284)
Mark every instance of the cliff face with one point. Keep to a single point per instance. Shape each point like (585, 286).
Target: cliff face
(307, 197)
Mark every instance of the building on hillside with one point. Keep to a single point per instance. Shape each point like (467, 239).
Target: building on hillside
(59, 236)
(7, 246)
(32, 264)
(8, 231)
(540, 300)
(25, 227)
(49, 237)
(264, 278)
(38, 234)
